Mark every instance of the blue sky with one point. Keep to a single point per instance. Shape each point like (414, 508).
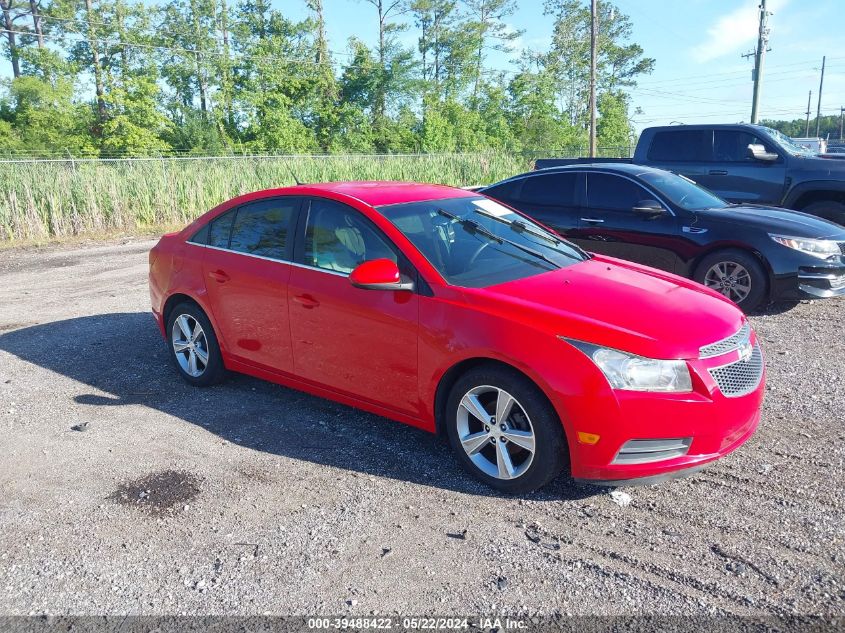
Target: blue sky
(697, 44)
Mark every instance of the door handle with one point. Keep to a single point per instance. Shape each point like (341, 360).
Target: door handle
(718, 172)
(306, 301)
(593, 220)
(219, 276)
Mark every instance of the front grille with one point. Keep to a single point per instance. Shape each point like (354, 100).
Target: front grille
(740, 378)
(727, 344)
(645, 451)
(842, 248)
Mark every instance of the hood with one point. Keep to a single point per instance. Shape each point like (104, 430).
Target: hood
(618, 304)
(776, 220)
(821, 164)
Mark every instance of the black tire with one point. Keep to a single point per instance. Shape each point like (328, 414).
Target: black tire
(214, 371)
(757, 294)
(827, 210)
(551, 455)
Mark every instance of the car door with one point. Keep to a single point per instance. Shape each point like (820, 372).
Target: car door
(610, 226)
(552, 199)
(358, 342)
(738, 177)
(247, 268)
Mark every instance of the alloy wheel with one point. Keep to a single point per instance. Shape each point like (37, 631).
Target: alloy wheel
(495, 432)
(729, 278)
(190, 345)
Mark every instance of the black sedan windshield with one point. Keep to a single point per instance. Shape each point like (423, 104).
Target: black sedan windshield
(682, 191)
(477, 242)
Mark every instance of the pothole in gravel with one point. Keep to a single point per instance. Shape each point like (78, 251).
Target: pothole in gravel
(159, 492)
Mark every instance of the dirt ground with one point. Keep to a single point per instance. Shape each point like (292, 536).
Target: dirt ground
(125, 491)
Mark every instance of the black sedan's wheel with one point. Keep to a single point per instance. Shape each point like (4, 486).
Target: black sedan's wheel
(193, 345)
(736, 274)
(504, 431)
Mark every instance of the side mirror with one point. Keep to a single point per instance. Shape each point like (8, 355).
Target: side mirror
(648, 207)
(758, 152)
(379, 274)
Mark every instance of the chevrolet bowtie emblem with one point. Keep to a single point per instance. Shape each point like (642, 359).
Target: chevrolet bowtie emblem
(745, 350)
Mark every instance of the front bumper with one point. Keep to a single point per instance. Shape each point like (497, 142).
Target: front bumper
(821, 283)
(713, 423)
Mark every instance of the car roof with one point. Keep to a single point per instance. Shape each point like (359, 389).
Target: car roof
(383, 192)
(705, 126)
(630, 169)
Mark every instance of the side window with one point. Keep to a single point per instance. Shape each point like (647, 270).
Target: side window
(339, 238)
(201, 236)
(731, 146)
(606, 191)
(218, 233)
(503, 191)
(681, 146)
(549, 189)
(262, 228)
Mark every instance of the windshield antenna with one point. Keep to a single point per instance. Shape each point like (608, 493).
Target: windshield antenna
(295, 179)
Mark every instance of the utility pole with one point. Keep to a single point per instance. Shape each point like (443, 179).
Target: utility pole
(759, 55)
(594, 36)
(819, 107)
(841, 121)
(807, 131)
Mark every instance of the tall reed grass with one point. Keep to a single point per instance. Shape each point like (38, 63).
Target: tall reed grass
(45, 200)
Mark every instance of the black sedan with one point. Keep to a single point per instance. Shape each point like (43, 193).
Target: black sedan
(751, 254)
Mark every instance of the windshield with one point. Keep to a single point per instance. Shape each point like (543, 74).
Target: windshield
(683, 191)
(476, 242)
(787, 143)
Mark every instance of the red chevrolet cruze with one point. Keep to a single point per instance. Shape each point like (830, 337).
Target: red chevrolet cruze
(448, 311)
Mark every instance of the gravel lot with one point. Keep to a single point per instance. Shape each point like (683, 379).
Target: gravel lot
(125, 491)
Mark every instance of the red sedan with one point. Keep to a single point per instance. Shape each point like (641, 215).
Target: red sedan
(448, 311)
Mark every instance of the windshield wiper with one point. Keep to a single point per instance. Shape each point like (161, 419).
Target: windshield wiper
(519, 226)
(474, 227)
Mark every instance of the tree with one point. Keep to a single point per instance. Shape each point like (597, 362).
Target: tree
(490, 32)
(614, 129)
(12, 15)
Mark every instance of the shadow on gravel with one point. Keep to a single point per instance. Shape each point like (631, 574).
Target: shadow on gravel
(123, 357)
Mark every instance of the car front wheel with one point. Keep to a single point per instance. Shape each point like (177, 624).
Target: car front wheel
(736, 274)
(504, 431)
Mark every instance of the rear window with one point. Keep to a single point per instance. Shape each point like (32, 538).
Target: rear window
(261, 228)
(218, 234)
(681, 146)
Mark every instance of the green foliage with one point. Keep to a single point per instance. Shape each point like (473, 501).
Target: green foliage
(136, 78)
(123, 77)
(43, 200)
(614, 128)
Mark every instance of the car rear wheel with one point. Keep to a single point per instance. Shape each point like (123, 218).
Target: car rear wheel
(735, 274)
(504, 431)
(193, 345)
(827, 210)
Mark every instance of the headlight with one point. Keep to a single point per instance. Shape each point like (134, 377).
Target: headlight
(818, 248)
(637, 373)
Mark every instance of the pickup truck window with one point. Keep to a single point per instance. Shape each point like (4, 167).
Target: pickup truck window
(681, 146)
(731, 146)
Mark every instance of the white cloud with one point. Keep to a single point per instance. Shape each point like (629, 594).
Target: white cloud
(733, 31)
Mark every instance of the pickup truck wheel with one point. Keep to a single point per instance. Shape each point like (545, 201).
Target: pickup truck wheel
(827, 210)
(736, 274)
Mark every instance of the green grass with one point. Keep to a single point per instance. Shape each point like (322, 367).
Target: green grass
(43, 200)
